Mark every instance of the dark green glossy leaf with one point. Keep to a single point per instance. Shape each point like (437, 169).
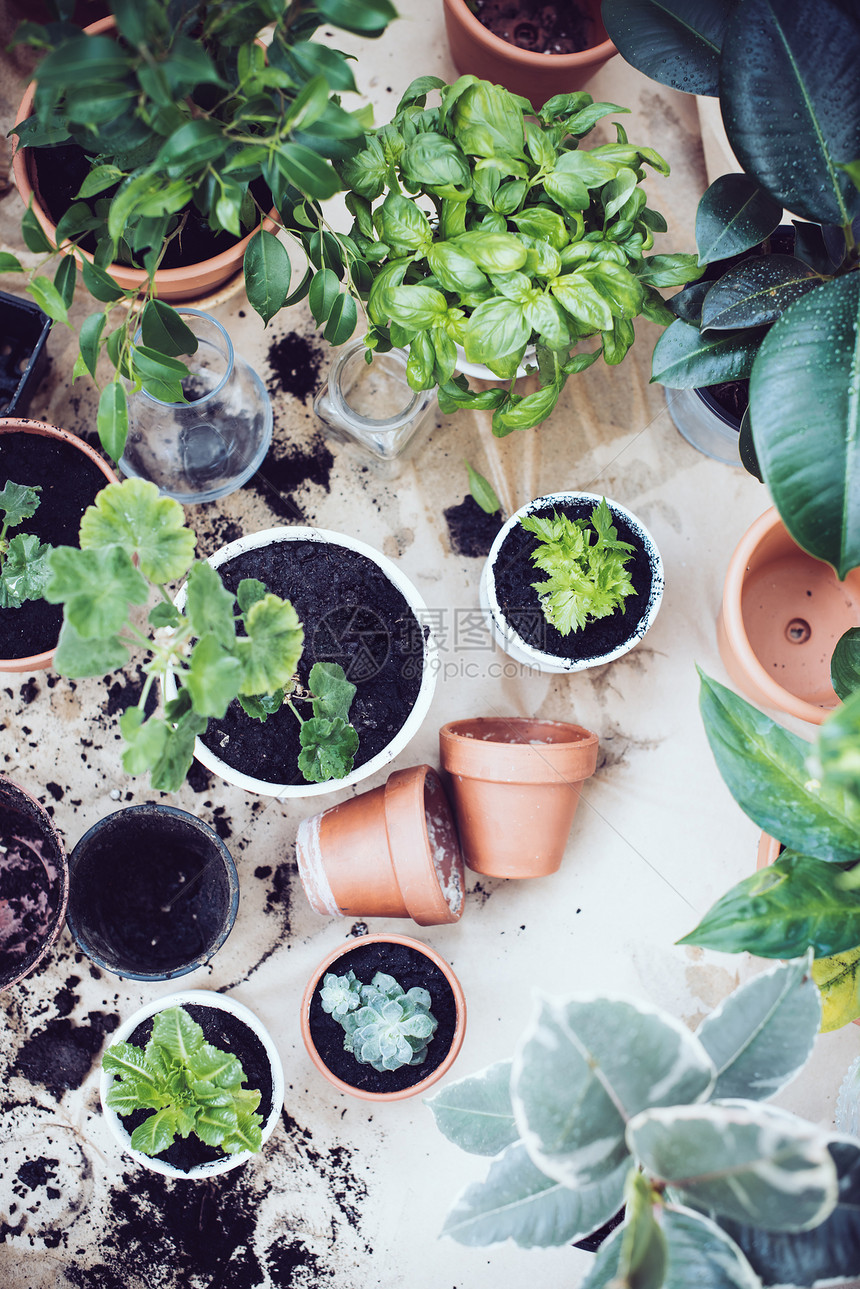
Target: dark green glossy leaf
(164, 330)
(99, 283)
(112, 419)
(687, 304)
(764, 768)
(684, 358)
(789, 89)
(366, 17)
(48, 298)
(746, 447)
(756, 291)
(10, 263)
(806, 420)
(734, 215)
(845, 664)
(267, 274)
(341, 320)
(675, 42)
(160, 375)
(307, 171)
(65, 278)
(33, 234)
(796, 904)
(323, 293)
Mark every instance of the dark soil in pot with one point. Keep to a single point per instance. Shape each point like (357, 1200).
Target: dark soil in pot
(58, 172)
(409, 968)
(32, 883)
(352, 615)
(542, 28)
(225, 1031)
(514, 573)
(70, 482)
(150, 894)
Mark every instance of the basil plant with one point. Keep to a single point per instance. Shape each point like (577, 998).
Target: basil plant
(611, 1104)
(786, 318)
(808, 798)
(182, 115)
(483, 224)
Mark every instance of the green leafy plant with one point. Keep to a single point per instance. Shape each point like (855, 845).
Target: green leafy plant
(585, 566)
(497, 232)
(483, 492)
(23, 558)
(192, 1086)
(384, 1025)
(808, 797)
(134, 542)
(719, 1188)
(790, 104)
(183, 116)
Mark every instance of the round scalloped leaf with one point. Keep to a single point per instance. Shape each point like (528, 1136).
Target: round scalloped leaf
(131, 514)
(271, 652)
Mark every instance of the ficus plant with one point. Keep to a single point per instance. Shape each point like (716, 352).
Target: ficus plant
(611, 1104)
(481, 223)
(807, 796)
(23, 558)
(182, 115)
(191, 1086)
(584, 561)
(133, 543)
(786, 77)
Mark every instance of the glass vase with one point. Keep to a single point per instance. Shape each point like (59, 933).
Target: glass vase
(211, 445)
(370, 405)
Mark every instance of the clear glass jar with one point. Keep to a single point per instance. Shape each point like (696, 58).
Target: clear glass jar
(370, 405)
(211, 445)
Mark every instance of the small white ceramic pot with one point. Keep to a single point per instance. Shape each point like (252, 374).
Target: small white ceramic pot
(482, 372)
(413, 722)
(221, 1002)
(513, 643)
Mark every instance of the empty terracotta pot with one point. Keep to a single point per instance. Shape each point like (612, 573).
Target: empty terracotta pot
(781, 616)
(516, 785)
(391, 852)
(537, 76)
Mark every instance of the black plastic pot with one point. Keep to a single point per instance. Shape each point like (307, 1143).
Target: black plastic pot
(34, 883)
(153, 893)
(23, 334)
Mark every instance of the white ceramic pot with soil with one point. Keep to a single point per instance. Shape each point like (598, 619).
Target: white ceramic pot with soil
(229, 1026)
(512, 608)
(34, 883)
(70, 475)
(413, 965)
(154, 892)
(358, 610)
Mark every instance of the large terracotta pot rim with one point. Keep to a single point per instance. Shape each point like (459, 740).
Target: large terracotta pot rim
(13, 424)
(405, 822)
(456, 1042)
(565, 752)
(535, 62)
(219, 266)
(771, 691)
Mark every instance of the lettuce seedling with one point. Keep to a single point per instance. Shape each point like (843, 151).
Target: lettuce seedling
(585, 566)
(134, 541)
(192, 1086)
(384, 1025)
(23, 558)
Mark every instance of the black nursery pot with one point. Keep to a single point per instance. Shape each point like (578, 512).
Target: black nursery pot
(153, 893)
(24, 332)
(34, 883)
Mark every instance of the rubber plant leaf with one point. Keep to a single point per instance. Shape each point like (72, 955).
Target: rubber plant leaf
(845, 664)
(476, 1112)
(734, 215)
(675, 42)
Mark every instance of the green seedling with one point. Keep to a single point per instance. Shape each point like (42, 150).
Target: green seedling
(384, 1025)
(192, 1087)
(221, 647)
(585, 566)
(23, 558)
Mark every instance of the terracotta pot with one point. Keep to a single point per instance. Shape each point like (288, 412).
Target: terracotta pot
(781, 616)
(33, 855)
(11, 425)
(528, 654)
(155, 892)
(537, 77)
(330, 963)
(220, 1002)
(189, 283)
(328, 542)
(769, 850)
(516, 785)
(391, 852)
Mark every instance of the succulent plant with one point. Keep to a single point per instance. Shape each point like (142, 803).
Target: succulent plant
(386, 1026)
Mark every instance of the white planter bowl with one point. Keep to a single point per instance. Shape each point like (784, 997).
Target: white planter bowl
(253, 541)
(203, 998)
(482, 372)
(512, 642)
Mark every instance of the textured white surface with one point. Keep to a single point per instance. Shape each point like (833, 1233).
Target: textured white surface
(359, 1194)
